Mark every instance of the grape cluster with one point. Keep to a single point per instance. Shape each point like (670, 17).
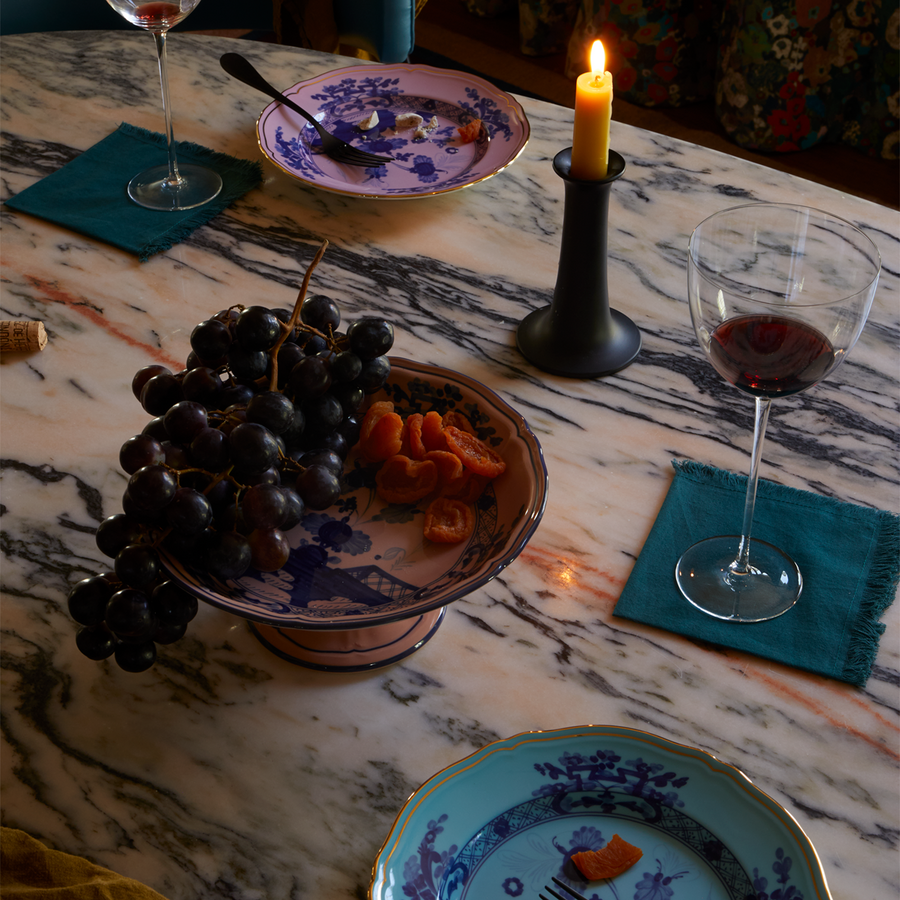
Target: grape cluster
(252, 432)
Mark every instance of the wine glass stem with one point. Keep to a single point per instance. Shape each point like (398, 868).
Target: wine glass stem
(174, 179)
(741, 565)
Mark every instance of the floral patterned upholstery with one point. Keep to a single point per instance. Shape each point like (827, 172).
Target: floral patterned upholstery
(783, 74)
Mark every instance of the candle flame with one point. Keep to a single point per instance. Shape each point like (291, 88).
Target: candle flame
(598, 57)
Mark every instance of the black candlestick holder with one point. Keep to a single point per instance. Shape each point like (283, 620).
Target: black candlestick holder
(578, 335)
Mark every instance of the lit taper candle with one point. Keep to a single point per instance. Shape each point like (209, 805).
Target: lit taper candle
(593, 113)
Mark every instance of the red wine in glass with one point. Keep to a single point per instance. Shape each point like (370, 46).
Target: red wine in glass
(770, 356)
(156, 16)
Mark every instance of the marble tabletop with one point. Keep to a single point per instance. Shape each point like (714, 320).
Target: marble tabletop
(225, 771)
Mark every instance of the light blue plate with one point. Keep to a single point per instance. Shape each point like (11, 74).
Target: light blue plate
(504, 821)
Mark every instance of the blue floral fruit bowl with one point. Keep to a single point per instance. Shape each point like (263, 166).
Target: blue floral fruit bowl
(507, 820)
(363, 587)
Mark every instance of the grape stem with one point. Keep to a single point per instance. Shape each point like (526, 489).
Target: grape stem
(286, 329)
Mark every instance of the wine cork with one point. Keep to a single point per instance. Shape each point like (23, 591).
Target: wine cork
(21, 336)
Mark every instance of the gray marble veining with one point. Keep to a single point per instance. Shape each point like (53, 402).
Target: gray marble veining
(226, 772)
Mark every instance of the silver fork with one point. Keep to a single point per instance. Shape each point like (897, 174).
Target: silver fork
(571, 893)
(340, 151)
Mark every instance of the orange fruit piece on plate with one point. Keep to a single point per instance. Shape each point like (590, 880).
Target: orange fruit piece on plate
(615, 858)
(468, 488)
(450, 469)
(414, 436)
(470, 132)
(474, 453)
(383, 438)
(405, 480)
(448, 521)
(455, 418)
(432, 431)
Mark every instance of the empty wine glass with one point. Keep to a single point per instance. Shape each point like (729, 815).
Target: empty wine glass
(173, 186)
(779, 295)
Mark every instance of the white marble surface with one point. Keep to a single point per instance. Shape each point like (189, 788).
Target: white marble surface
(226, 772)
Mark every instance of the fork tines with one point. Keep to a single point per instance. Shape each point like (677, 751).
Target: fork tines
(571, 893)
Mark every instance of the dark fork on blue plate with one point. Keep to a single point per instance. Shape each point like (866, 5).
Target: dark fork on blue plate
(340, 151)
(571, 893)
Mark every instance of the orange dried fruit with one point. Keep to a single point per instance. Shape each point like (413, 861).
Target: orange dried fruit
(449, 521)
(414, 436)
(469, 487)
(450, 468)
(373, 414)
(474, 453)
(433, 431)
(405, 480)
(384, 438)
(470, 132)
(615, 858)
(455, 418)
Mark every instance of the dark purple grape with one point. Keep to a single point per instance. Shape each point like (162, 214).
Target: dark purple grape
(129, 614)
(350, 396)
(95, 642)
(310, 378)
(227, 554)
(139, 451)
(151, 488)
(211, 340)
(257, 328)
(220, 495)
(189, 511)
(335, 442)
(156, 428)
(116, 532)
(160, 393)
(346, 366)
(312, 344)
(177, 457)
(272, 410)
(173, 605)
(269, 549)
(142, 376)
(147, 517)
(263, 506)
(252, 447)
(374, 375)
(247, 364)
(88, 599)
(185, 420)
(236, 395)
(289, 354)
(272, 475)
(136, 657)
(323, 457)
(370, 337)
(137, 565)
(234, 416)
(323, 414)
(168, 633)
(202, 384)
(318, 487)
(350, 430)
(209, 450)
(294, 432)
(294, 509)
(320, 312)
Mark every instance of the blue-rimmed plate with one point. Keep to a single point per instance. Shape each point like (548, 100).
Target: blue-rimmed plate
(363, 587)
(504, 821)
(434, 164)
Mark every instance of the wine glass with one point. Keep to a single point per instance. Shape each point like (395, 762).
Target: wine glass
(779, 295)
(173, 186)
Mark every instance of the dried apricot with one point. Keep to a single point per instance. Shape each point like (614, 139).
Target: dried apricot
(373, 414)
(449, 521)
(405, 480)
(613, 859)
(433, 431)
(450, 469)
(414, 436)
(384, 438)
(469, 487)
(470, 132)
(474, 453)
(455, 418)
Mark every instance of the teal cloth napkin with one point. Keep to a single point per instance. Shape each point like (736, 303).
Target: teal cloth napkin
(849, 557)
(89, 195)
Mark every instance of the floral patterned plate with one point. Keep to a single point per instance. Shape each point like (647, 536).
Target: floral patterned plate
(506, 820)
(423, 166)
(363, 587)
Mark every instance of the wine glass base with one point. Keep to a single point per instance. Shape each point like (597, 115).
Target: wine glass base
(151, 189)
(768, 590)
